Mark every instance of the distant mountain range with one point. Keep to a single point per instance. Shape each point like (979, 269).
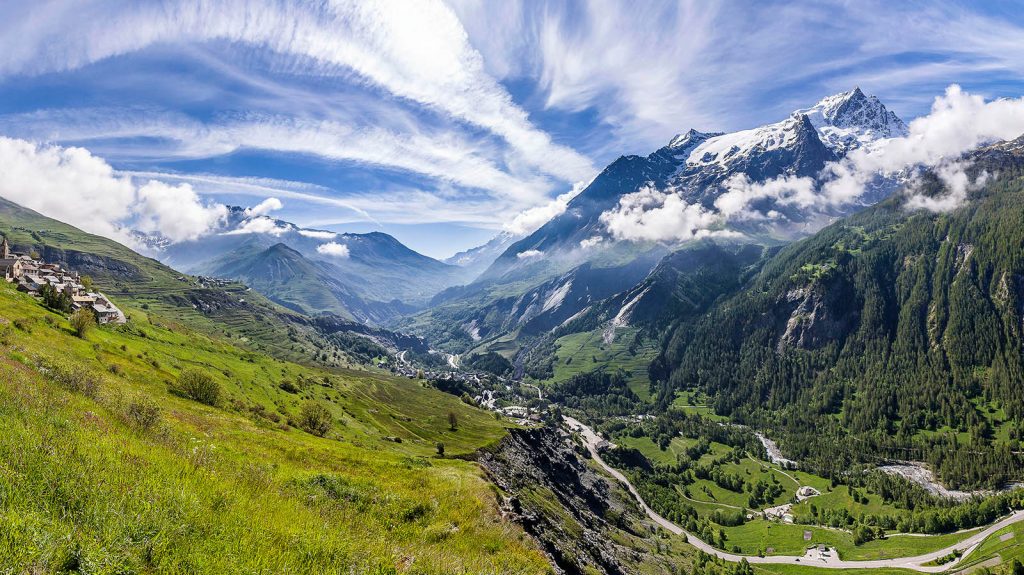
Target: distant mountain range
(697, 164)
(224, 308)
(507, 295)
(370, 277)
(373, 278)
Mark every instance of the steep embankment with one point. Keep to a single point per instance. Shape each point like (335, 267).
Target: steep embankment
(585, 523)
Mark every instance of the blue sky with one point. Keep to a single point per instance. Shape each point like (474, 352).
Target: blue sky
(440, 123)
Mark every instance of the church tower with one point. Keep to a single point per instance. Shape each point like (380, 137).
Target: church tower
(5, 250)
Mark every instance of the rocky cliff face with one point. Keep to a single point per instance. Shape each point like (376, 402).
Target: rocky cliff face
(93, 265)
(585, 523)
(818, 315)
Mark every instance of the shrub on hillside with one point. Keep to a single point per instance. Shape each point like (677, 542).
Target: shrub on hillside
(82, 321)
(143, 412)
(72, 376)
(198, 386)
(314, 418)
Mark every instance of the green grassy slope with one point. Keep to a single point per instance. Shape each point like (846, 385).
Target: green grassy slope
(227, 310)
(88, 483)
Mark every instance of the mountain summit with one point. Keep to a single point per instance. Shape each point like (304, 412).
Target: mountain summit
(696, 164)
(853, 119)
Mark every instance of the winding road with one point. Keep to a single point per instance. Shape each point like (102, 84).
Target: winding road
(813, 558)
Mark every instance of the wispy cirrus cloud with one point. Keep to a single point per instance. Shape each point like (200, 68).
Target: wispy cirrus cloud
(655, 69)
(415, 50)
(463, 111)
(443, 155)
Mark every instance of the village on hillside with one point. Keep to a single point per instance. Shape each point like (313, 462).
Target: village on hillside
(34, 275)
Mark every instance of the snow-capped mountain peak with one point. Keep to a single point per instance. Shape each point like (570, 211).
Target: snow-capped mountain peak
(681, 145)
(726, 149)
(843, 122)
(853, 119)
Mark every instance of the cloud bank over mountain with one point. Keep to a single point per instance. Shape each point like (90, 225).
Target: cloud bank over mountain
(84, 190)
(958, 122)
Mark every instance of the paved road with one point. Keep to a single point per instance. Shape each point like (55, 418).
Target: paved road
(812, 558)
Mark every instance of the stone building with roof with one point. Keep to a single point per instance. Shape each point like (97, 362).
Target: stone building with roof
(32, 275)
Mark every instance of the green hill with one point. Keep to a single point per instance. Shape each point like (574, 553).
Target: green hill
(104, 470)
(298, 283)
(139, 283)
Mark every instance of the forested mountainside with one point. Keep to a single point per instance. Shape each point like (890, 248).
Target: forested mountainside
(890, 334)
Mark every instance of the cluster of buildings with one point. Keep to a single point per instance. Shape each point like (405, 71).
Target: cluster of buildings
(31, 275)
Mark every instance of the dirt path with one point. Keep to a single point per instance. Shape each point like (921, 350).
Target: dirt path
(813, 558)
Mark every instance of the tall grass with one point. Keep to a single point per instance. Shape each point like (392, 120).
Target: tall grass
(121, 476)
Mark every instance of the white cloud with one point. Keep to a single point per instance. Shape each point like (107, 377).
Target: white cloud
(958, 184)
(175, 212)
(958, 122)
(530, 219)
(651, 215)
(741, 192)
(333, 249)
(76, 187)
(69, 184)
(448, 156)
(711, 66)
(265, 207)
(591, 242)
(259, 187)
(415, 49)
(259, 225)
(318, 234)
(529, 254)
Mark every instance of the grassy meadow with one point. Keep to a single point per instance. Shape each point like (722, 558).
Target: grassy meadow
(104, 470)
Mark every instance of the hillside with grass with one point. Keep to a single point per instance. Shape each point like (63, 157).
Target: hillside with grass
(224, 309)
(150, 447)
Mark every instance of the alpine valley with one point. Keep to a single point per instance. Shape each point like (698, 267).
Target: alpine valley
(791, 349)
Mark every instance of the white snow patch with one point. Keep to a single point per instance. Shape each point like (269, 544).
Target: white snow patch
(556, 297)
(722, 150)
(573, 316)
(621, 319)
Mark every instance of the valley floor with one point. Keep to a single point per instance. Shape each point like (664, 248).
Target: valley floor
(967, 547)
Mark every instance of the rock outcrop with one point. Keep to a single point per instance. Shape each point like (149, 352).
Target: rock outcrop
(584, 523)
